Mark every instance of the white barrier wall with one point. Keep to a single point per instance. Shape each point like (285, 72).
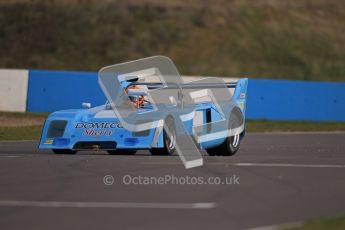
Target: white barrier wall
(13, 90)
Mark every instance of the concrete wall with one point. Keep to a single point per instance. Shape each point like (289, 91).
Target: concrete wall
(13, 90)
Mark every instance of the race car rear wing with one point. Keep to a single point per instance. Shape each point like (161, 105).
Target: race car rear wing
(157, 85)
(239, 94)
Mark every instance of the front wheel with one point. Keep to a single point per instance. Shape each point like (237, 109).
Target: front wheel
(169, 139)
(64, 151)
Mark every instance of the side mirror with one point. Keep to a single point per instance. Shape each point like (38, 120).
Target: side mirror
(86, 105)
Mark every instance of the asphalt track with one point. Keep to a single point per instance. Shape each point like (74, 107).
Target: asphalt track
(280, 178)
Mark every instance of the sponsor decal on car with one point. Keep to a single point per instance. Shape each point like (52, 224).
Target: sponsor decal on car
(48, 141)
(97, 125)
(241, 104)
(97, 133)
(97, 129)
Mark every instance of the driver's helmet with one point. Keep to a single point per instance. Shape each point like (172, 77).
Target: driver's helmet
(136, 100)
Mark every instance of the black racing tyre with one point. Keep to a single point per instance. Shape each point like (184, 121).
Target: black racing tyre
(213, 151)
(168, 140)
(231, 144)
(122, 152)
(228, 148)
(64, 151)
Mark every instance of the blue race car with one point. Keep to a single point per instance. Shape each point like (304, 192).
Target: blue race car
(98, 128)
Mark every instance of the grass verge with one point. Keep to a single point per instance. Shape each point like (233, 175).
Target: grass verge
(337, 223)
(20, 133)
(302, 40)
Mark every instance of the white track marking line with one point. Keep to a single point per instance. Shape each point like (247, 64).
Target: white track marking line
(279, 226)
(10, 156)
(255, 164)
(289, 165)
(296, 133)
(59, 204)
(18, 141)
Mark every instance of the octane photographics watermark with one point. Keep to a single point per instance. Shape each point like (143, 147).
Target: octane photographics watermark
(170, 179)
(108, 180)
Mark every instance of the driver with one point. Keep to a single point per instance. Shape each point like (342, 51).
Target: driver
(136, 100)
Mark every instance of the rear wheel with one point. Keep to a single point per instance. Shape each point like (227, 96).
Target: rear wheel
(228, 148)
(232, 143)
(122, 152)
(64, 151)
(169, 140)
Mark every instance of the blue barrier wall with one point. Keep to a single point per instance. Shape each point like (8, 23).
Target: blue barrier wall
(49, 91)
(296, 100)
(267, 99)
